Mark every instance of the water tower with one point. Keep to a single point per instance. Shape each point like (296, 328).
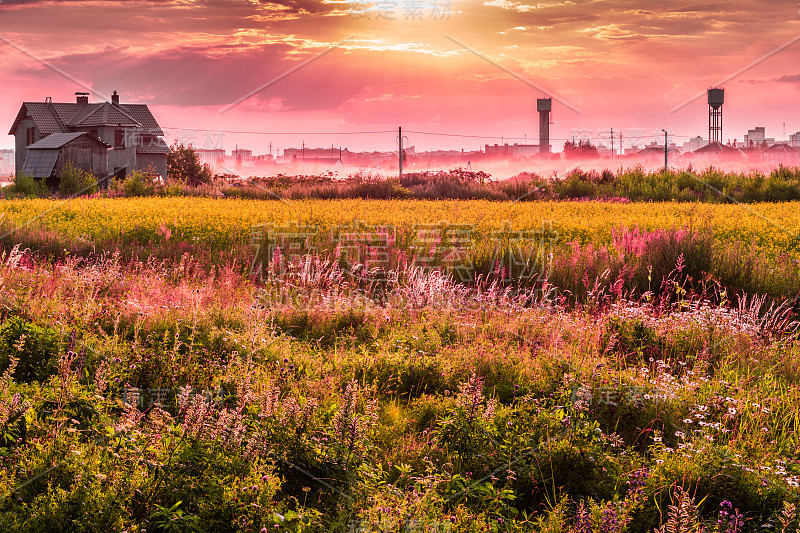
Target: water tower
(544, 106)
(716, 97)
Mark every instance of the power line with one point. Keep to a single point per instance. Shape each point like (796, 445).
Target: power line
(211, 130)
(380, 132)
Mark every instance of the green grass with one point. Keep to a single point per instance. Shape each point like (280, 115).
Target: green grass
(433, 405)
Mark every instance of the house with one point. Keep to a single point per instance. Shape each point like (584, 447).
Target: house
(722, 151)
(781, 152)
(130, 130)
(47, 157)
(655, 152)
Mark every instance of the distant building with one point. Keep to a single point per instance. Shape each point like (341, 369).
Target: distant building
(130, 129)
(655, 152)
(721, 150)
(794, 140)
(6, 162)
(781, 152)
(694, 144)
(313, 153)
(212, 158)
(512, 151)
(243, 158)
(757, 137)
(242, 154)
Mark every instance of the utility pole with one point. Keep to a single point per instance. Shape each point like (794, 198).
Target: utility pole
(400, 150)
(612, 144)
(666, 147)
(621, 150)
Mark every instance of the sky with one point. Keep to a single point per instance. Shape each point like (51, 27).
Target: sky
(255, 74)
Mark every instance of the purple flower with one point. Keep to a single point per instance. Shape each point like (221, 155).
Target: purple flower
(583, 521)
(636, 484)
(609, 521)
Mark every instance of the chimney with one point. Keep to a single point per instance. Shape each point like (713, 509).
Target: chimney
(115, 98)
(83, 98)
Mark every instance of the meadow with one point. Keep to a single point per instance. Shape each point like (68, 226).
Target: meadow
(752, 248)
(199, 364)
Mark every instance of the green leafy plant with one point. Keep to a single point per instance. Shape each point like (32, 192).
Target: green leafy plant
(27, 186)
(73, 180)
(174, 519)
(139, 183)
(183, 165)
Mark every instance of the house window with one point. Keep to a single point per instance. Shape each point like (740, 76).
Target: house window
(119, 138)
(30, 136)
(93, 133)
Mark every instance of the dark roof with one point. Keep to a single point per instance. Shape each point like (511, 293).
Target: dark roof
(44, 115)
(57, 140)
(717, 148)
(647, 150)
(782, 147)
(104, 114)
(55, 117)
(141, 113)
(156, 146)
(40, 163)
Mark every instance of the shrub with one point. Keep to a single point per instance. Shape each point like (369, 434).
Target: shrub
(27, 186)
(73, 180)
(139, 183)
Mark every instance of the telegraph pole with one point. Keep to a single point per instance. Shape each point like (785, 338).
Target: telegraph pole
(666, 147)
(612, 144)
(400, 151)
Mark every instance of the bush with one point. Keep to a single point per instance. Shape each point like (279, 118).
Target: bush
(27, 186)
(73, 180)
(138, 183)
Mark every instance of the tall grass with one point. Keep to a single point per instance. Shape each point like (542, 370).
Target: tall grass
(633, 184)
(154, 396)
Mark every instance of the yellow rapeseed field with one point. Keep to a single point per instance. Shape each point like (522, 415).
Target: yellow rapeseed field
(772, 228)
